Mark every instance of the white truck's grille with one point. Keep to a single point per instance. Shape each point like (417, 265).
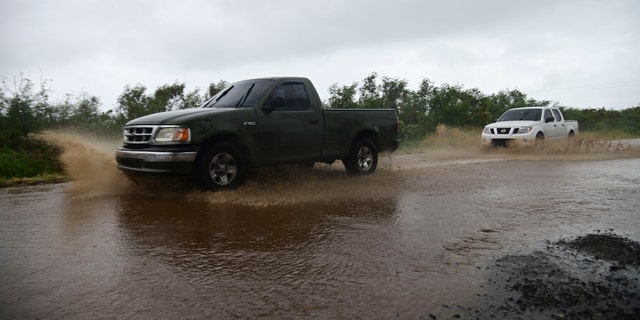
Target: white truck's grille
(503, 130)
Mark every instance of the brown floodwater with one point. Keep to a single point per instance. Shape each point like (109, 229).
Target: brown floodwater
(295, 243)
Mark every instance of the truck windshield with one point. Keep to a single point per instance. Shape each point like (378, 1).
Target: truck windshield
(521, 115)
(240, 94)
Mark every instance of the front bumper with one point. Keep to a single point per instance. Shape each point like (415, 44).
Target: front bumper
(156, 161)
(504, 139)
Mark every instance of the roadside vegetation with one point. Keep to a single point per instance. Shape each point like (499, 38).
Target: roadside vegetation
(429, 116)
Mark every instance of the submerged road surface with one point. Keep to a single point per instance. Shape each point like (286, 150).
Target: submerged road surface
(309, 244)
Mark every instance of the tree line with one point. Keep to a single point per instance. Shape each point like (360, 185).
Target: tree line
(421, 110)
(26, 107)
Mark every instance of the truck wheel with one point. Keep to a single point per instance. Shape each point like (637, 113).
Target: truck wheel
(221, 167)
(539, 143)
(571, 141)
(363, 159)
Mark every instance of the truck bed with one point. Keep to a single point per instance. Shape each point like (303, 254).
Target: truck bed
(383, 121)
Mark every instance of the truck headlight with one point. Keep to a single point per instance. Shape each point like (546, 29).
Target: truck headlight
(487, 130)
(173, 134)
(522, 130)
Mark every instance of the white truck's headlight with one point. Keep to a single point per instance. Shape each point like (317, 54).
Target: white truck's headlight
(523, 130)
(487, 130)
(173, 134)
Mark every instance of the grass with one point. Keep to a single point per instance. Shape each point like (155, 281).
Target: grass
(30, 161)
(607, 135)
(31, 181)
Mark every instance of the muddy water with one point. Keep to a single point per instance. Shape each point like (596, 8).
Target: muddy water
(296, 243)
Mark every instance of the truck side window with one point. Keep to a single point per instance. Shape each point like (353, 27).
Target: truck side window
(295, 96)
(548, 115)
(556, 113)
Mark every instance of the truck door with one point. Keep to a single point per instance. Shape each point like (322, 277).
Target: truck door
(292, 131)
(561, 129)
(549, 125)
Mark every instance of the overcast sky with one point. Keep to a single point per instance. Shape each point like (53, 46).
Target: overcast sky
(581, 54)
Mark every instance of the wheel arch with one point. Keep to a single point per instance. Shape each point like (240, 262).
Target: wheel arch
(237, 141)
(369, 134)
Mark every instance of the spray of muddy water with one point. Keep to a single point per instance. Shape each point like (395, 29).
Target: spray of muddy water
(91, 164)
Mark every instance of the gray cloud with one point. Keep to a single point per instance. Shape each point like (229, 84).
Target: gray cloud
(539, 47)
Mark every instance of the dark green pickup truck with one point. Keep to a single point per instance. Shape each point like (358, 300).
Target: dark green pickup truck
(255, 123)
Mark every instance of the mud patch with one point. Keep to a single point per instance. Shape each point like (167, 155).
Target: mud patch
(293, 185)
(608, 247)
(596, 276)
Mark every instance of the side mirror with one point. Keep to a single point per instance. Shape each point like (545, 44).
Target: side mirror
(276, 102)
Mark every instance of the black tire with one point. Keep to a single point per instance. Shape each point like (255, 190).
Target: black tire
(571, 141)
(363, 158)
(539, 142)
(221, 167)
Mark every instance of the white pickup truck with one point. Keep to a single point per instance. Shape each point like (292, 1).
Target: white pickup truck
(529, 126)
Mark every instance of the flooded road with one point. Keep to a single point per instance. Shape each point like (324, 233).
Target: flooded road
(317, 243)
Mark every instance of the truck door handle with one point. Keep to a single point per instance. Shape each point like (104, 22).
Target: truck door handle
(313, 121)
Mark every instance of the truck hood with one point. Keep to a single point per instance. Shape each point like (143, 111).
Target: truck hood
(511, 124)
(177, 117)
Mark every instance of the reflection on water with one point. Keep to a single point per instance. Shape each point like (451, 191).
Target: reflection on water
(308, 259)
(314, 258)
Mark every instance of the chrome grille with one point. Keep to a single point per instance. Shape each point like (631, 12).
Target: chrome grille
(503, 130)
(138, 134)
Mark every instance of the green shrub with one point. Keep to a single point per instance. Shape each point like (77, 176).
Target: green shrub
(30, 159)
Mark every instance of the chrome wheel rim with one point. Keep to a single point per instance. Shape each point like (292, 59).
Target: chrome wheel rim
(365, 158)
(223, 168)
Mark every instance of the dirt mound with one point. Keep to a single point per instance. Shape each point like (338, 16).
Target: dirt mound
(596, 276)
(608, 247)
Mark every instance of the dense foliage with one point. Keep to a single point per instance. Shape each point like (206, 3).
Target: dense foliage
(31, 158)
(26, 108)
